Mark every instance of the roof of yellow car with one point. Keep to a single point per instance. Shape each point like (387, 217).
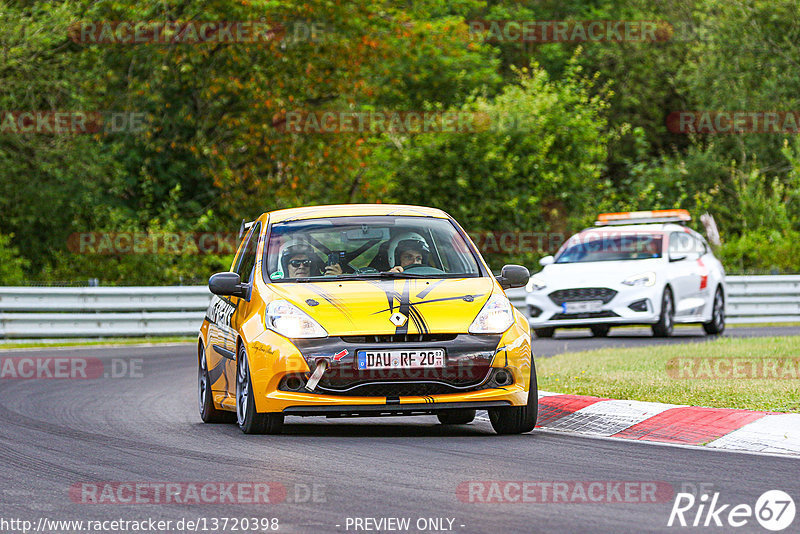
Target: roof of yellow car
(349, 210)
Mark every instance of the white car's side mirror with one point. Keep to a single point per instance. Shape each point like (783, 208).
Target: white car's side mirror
(547, 260)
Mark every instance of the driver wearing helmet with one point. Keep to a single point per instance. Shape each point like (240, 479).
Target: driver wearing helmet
(407, 250)
(296, 260)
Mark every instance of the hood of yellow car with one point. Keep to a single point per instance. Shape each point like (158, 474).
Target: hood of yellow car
(357, 307)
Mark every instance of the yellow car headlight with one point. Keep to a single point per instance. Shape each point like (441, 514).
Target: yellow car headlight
(290, 321)
(495, 317)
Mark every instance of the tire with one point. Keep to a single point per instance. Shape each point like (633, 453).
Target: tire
(456, 417)
(544, 332)
(600, 330)
(666, 322)
(518, 419)
(208, 412)
(717, 324)
(248, 419)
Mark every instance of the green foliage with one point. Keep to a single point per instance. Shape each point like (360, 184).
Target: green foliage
(561, 147)
(537, 165)
(12, 265)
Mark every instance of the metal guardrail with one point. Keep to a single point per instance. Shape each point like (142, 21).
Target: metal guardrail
(51, 312)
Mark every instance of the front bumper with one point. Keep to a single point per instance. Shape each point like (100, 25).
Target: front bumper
(628, 306)
(470, 360)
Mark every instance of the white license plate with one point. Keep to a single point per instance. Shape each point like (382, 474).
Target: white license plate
(399, 359)
(582, 306)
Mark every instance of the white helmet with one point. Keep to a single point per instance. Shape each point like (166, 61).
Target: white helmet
(405, 241)
(292, 248)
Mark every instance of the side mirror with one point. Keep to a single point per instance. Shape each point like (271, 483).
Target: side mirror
(226, 284)
(547, 260)
(677, 256)
(513, 276)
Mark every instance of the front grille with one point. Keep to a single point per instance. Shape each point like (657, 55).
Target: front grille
(395, 389)
(586, 315)
(399, 338)
(582, 293)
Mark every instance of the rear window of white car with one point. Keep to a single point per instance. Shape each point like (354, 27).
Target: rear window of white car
(611, 246)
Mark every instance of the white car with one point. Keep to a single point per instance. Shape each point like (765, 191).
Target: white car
(633, 268)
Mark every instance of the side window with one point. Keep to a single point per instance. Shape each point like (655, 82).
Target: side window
(702, 248)
(680, 242)
(247, 263)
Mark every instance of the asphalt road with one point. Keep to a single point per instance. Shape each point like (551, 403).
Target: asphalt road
(581, 339)
(61, 432)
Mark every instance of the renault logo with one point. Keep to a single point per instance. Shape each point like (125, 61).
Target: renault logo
(398, 319)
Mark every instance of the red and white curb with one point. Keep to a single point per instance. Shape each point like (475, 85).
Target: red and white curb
(720, 428)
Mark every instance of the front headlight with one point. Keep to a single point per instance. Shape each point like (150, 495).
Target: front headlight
(288, 320)
(643, 279)
(535, 283)
(495, 317)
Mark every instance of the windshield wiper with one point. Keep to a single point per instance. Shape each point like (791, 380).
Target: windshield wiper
(393, 275)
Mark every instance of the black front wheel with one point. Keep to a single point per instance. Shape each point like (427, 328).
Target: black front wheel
(717, 324)
(518, 419)
(250, 421)
(208, 412)
(666, 322)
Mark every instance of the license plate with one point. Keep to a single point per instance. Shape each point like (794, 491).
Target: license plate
(582, 306)
(399, 359)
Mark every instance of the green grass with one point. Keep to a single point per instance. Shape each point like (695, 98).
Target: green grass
(89, 342)
(641, 374)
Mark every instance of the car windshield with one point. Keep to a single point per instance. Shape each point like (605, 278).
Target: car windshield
(367, 247)
(611, 246)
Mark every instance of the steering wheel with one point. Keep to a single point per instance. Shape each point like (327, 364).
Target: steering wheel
(418, 268)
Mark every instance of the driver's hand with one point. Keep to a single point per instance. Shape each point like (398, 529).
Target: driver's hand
(396, 269)
(333, 270)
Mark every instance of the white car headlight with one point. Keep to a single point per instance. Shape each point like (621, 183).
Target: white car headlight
(288, 320)
(535, 283)
(643, 279)
(495, 317)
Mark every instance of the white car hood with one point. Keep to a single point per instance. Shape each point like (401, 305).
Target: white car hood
(596, 273)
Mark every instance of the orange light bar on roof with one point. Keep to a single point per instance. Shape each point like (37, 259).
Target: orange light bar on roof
(631, 217)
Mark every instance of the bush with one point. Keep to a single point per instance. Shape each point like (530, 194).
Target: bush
(12, 266)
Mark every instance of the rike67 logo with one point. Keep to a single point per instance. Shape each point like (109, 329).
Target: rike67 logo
(774, 510)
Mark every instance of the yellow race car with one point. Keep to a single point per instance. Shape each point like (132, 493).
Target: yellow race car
(364, 310)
